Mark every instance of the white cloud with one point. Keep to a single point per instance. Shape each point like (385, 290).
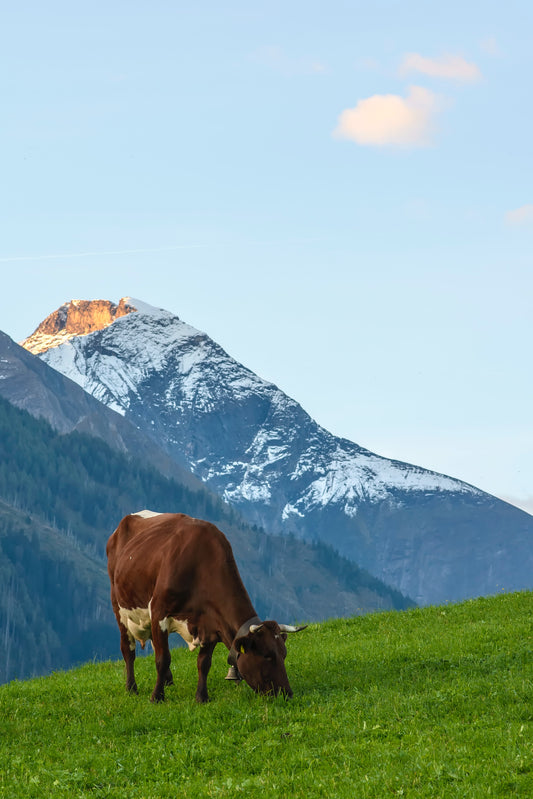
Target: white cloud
(385, 120)
(451, 67)
(520, 217)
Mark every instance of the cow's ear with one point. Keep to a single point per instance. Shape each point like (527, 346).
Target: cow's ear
(243, 644)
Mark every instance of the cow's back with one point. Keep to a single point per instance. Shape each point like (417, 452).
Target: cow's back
(128, 528)
(166, 549)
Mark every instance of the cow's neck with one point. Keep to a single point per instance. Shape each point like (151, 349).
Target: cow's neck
(237, 622)
(237, 608)
(244, 629)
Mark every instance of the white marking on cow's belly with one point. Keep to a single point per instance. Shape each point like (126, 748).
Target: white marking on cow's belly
(138, 623)
(172, 625)
(146, 514)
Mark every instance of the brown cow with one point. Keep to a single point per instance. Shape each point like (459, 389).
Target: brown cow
(172, 573)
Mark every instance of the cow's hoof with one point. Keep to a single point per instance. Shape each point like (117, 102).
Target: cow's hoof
(132, 689)
(156, 698)
(202, 699)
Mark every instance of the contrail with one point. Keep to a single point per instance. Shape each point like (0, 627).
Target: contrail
(97, 252)
(12, 258)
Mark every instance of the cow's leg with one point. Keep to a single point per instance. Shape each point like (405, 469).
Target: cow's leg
(162, 661)
(205, 656)
(127, 647)
(169, 679)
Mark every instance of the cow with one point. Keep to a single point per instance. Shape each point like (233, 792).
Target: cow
(172, 573)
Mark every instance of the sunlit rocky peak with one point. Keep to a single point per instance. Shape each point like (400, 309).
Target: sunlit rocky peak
(76, 318)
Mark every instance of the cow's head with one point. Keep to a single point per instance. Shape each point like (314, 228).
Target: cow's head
(261, 657)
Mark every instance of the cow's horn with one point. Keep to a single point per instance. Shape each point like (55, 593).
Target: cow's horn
(288, 628)
(255, 627)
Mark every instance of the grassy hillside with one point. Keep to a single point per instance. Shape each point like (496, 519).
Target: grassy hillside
(424, 703)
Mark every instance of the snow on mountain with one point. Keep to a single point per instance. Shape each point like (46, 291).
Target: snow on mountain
(120, 364)
(258, 448)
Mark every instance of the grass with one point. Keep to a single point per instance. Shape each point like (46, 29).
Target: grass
(433, 703)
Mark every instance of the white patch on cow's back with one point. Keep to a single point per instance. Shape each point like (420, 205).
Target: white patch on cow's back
(146, 514)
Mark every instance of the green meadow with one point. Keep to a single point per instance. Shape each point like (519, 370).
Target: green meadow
(436, 702)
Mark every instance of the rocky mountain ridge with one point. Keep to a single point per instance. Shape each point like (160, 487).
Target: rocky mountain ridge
(429, 535)
(74, 318)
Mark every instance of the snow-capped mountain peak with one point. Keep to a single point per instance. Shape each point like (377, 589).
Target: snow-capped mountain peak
(144, 308)
(146, 361)
(250, 442)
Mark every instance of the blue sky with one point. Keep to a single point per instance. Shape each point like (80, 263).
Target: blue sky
(340, 195)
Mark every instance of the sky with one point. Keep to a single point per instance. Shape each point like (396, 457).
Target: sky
(340, 194)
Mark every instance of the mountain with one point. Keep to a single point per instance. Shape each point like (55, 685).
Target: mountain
(29, 384)
(61, 495)
(77, 317)
(430, 536)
